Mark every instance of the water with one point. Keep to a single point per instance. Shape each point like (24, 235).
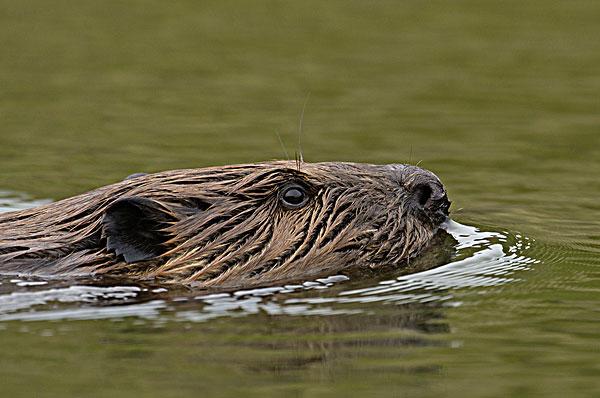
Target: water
(499, 99)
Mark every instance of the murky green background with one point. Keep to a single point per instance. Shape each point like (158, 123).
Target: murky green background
(500, 99)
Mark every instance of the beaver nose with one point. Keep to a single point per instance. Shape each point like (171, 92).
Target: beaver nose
(430, 197)
(427, 191)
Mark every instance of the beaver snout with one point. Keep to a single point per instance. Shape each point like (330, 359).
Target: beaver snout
(428, 193)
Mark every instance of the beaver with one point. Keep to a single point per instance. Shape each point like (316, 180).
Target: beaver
(231, 226)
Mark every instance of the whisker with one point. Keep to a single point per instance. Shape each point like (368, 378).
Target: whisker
(301, 125)
(285, 152)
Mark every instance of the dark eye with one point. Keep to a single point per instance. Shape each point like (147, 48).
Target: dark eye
(293, 196)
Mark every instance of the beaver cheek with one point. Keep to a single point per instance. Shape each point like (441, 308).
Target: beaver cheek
(133, 228)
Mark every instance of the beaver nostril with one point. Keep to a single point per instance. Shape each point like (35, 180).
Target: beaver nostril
(422, 193)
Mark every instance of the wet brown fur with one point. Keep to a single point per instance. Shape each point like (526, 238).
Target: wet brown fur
(226, 226)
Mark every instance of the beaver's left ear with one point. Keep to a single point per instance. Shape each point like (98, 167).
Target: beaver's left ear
(134, 228)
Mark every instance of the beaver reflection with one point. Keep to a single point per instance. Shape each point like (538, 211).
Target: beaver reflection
(279, 344)
(232, 226)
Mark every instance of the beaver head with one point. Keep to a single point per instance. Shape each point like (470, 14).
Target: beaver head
(238, 225)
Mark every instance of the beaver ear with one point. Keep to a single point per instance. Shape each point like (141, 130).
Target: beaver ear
(133, 228)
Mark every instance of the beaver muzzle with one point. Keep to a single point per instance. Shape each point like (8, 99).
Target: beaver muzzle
(428, 193)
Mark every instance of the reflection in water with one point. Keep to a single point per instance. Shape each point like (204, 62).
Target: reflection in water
(479, 259)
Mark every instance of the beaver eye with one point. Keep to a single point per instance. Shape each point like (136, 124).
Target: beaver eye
(293, 196)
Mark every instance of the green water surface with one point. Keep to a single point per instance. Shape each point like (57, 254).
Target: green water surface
(501, 99)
